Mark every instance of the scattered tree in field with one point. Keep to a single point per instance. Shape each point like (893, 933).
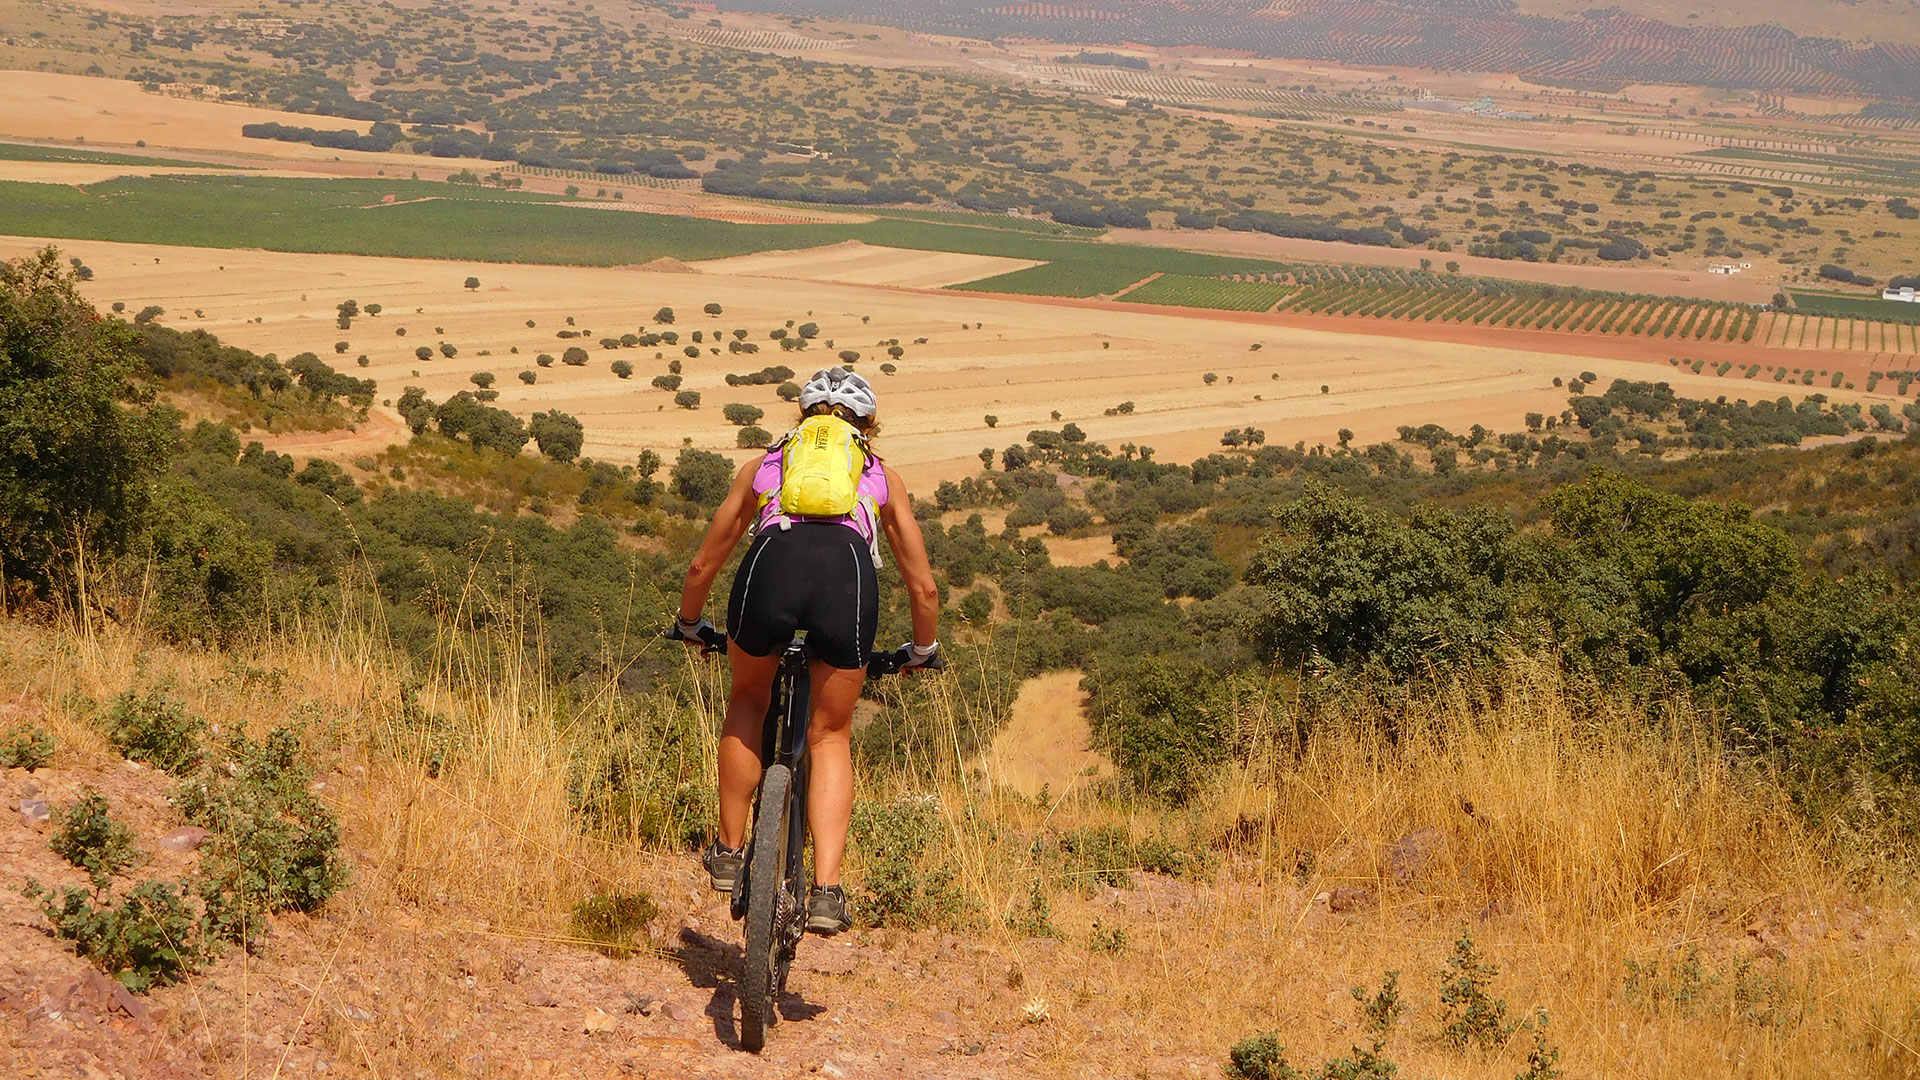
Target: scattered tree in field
(668, 383)
(364, 361)
(687, 399)
(1072, 433)
(373, 309)
(777, 334)
(544, 359)
(340, 346)
(699, 336)
(148, 314)
(986, 458)
(664, 315)
(472, 283)
(447, 350)
(1452, 267)
(1324, 389)
(896, 351)
(399, 331)
(788, 391)
(712, 309)
(423, 353)
(529, 376)
(1345, 436)
(992, 420)
(808, 330)
(848, 356)
(692, 352)
(622, 369)
(575, 356)
(481, 379)
(673, 366)
(742, 414)
(888, 369)
(753, 438)
(558, 435)
(1209, 378)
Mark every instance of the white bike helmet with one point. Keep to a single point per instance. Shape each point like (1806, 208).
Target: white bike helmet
(838, 386)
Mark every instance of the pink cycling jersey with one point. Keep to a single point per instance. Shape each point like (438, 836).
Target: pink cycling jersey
(872, 488)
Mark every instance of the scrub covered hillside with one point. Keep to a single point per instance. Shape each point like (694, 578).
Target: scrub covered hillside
(1483, 736)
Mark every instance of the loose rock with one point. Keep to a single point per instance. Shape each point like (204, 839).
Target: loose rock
(34, 813)
(185, 838)
(1351, 898)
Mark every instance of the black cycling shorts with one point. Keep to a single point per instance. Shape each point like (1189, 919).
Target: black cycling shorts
(816, 576)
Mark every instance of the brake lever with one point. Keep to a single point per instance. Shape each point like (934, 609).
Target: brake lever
(712, 641)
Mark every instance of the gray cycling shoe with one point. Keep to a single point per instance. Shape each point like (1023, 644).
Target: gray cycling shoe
(723, 865)
(827, 911)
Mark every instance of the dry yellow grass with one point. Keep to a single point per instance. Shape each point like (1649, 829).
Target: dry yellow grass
(1571, 836)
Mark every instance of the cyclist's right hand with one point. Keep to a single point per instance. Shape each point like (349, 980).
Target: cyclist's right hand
(908, 658)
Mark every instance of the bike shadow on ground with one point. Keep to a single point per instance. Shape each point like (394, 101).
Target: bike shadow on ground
(711, 964)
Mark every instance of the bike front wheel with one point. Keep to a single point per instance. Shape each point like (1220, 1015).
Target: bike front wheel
(764, 889)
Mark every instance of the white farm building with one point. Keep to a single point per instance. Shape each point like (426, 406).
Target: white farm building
(1905, 296)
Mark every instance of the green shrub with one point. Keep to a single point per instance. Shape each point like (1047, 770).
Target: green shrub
(1469, 1014)
(155, 729)
(86, 835)
(149, 939)
(1261, 1057)
(274, 846)
(26, 748)
(904, 883)
(610, 920)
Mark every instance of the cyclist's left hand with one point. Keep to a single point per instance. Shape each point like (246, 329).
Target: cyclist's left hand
(699, 633)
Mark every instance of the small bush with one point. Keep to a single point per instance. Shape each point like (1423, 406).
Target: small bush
(753, 438)
(26, 748)
(274, 846)
(904, 883)
(1469, 1014)
(155, 729)
(1261, 1057)
(86, 835)
(149, 940)
(611, 920)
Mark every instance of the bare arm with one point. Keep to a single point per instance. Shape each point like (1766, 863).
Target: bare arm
(910, 555)
(730, 523)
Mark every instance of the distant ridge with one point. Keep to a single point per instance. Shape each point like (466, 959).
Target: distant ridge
(1603, 49)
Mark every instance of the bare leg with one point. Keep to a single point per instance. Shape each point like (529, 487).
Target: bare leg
(740, 740)
(830, 794)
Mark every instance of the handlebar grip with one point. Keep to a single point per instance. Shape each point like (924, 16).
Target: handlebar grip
(893, 663)
(712, 641)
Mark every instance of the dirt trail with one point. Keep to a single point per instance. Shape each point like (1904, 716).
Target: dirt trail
(365, 989)
(1046, 743)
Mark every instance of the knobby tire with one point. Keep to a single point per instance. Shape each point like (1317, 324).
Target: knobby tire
(765, 885)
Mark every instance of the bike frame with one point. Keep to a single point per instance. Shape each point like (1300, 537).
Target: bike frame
(783, 741)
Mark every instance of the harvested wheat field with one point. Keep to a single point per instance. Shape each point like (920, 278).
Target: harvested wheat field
(965, 356)
(855, 263)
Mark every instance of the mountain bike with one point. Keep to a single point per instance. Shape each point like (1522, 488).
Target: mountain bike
(774, 911)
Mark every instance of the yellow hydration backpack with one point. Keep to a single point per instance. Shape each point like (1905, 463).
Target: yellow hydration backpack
(821, 463)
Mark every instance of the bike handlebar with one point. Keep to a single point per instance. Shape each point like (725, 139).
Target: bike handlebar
(888, 663)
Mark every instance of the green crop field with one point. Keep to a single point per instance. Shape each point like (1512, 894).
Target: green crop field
(488, 225)
(1855, 307)
(1187, 290)
(32, 152)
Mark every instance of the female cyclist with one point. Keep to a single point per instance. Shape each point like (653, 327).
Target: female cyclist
(818, 575)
